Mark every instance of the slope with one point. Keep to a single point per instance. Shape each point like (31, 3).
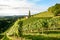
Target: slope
(12, 29)
(44, 14)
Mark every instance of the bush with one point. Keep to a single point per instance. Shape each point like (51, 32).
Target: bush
(20, 28)
(1, 36)
(57, 12)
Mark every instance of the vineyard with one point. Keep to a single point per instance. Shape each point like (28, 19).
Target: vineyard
(45, 23)
(41, 26)
(36, 26)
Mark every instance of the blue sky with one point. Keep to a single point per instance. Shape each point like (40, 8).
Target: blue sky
(21, 7)
(45, 2)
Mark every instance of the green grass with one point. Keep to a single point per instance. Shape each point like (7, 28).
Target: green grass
(30, 20)
(40, 37)
(44, 14)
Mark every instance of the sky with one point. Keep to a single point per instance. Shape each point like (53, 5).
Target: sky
(22, 7)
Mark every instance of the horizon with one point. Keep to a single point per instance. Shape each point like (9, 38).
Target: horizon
(22, 7)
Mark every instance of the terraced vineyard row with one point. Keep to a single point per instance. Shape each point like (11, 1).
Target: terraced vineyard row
(41, 23)
(35, 24)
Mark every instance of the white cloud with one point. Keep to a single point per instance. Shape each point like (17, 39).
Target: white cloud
(35, 0)
(18, 7)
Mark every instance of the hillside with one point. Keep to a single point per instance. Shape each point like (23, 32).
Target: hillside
(44, 14)
(32, 20)
(35, 24)
(51, 11)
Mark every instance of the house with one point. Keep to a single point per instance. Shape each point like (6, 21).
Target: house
(26, 17)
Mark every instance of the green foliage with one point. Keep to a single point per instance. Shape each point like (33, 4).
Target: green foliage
(30, 20)
(20, 28)
(5, 24)
(51, 9)
(37, 24)
(34, 23)
(57, 6)
(1, 36)
(40, 37)
(57, 12)
(54, 8)
(45, 23)
(6, 38)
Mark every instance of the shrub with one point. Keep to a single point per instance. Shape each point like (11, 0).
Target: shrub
(20, 28)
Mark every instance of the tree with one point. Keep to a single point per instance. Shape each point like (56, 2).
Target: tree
(57, 12)
(51, 9)
(29, 14)
(54, 8)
